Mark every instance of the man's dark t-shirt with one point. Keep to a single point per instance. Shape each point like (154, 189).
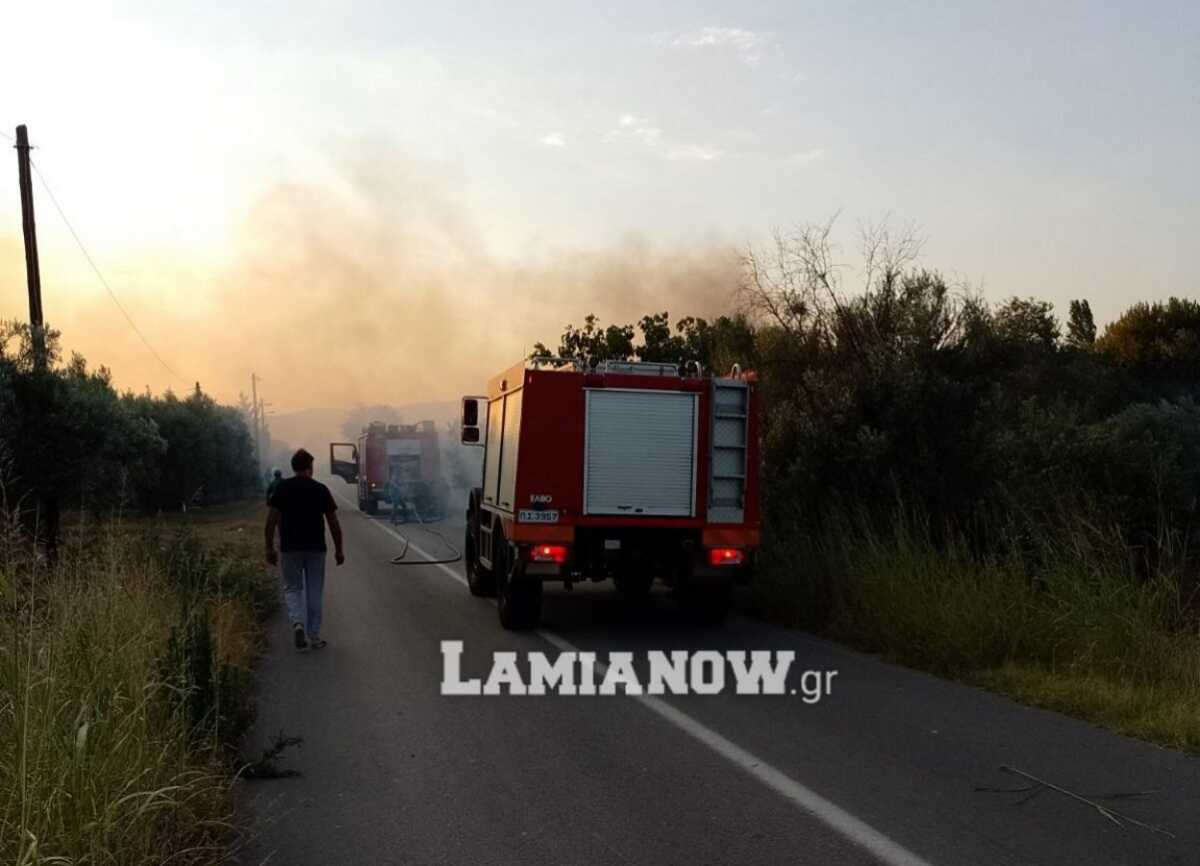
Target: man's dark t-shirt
(303, 504)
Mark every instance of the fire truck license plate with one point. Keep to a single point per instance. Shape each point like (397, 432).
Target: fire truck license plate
(546, 515)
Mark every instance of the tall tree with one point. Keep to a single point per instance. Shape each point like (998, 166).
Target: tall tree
(1081, 326)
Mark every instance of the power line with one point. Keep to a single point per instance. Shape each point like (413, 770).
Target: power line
(100, 276)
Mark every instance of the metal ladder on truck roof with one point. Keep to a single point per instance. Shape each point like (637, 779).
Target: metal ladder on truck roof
(727, 451)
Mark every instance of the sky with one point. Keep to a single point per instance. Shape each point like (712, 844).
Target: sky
(383, 202)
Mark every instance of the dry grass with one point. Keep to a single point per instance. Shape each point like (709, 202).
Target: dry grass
(237, 523)
(1087, 636)
(1160, 711)
(106, 754)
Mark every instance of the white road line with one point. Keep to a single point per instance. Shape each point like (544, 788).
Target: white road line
(833, 816)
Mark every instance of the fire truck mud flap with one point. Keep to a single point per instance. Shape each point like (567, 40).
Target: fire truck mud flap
(518, 595)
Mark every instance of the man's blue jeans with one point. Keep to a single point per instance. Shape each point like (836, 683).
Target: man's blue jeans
(303, 583)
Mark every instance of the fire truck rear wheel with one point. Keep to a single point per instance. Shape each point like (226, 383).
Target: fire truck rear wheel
(480, 581)
(519, 600)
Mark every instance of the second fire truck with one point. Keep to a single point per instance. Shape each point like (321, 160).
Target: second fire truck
(399, 464)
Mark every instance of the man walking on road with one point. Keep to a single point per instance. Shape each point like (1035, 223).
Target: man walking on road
(300, 506)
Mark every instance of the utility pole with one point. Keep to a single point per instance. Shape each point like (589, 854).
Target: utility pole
(256, 412)
(262, 430)
(37, 328)
(32, 270)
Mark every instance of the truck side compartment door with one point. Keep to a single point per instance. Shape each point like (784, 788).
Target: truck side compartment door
(343, 463)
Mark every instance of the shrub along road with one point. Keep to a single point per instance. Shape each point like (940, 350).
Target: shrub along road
(887, 768)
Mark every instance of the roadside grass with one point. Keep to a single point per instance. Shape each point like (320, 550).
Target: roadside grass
(124, 685)
(1071, 623)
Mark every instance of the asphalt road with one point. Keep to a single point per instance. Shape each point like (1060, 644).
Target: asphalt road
(886, 769)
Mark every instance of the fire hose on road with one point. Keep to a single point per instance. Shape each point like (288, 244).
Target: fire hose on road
(399, 558)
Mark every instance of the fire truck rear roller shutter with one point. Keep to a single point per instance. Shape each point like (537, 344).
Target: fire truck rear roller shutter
(641, 450)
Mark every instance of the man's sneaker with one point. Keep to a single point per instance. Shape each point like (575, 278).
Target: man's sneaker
(298, 634)
(318, 644)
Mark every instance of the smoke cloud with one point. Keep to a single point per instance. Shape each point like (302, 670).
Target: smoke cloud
(380, 289)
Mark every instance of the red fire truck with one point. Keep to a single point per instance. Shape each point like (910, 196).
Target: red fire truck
(395, 463)
(633, 471)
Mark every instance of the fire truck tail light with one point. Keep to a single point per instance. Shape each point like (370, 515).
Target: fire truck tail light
(726, 556)
(556, 553)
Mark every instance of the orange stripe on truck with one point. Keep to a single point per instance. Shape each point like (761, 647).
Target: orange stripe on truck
(537, 532)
